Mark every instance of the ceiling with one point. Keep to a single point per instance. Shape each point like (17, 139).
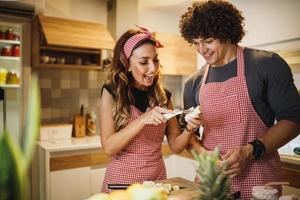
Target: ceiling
(176, 7)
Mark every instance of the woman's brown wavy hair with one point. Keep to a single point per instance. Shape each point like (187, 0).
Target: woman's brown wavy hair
(121, 82)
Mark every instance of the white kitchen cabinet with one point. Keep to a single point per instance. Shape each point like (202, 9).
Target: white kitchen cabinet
(50, 182)
(70, 184)
(178, 166)
(96, 178)
(76, 184)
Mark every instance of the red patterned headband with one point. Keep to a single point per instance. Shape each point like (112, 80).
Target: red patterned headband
(133, 40)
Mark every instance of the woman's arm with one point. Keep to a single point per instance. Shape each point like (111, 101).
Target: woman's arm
(178, 141)
(112, 141)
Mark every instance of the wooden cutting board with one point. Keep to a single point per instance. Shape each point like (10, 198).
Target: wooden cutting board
(189, 193)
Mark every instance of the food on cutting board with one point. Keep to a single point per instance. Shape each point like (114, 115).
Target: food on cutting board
(166, 187)
(133, 192)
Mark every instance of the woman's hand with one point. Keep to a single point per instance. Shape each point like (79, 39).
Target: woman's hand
(196, 121)
(155, 116)
(237, 159)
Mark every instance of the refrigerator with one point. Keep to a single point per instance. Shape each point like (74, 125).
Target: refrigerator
(15, 40)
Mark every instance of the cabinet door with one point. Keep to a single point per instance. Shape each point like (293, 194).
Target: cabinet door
(178, 166)
(71, 184)
(96, 179)
(177, 57)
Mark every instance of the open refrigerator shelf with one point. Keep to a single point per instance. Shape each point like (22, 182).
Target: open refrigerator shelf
(9, 86)
(10, 42)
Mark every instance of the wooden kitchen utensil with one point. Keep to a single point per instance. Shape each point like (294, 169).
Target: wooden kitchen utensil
(79, 124)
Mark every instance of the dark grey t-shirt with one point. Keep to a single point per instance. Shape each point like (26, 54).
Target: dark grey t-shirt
(270, 85)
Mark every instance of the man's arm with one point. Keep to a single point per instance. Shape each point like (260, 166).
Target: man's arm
(191, 85)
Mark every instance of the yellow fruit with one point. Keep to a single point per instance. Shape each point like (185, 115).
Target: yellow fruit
(139, 192)
(100, 196)
(133, 188)
(119, 195)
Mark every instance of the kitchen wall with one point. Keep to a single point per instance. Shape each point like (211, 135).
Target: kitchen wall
(284, 14)
(90, 10)
(64, 91)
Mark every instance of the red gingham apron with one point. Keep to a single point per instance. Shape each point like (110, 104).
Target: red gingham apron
(141, 160)
(231, 121)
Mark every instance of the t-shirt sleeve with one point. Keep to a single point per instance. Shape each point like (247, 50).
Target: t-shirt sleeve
(191, 89)
(188, 100)
(282, 93)
(110, 89)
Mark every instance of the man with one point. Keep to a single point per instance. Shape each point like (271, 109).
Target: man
(241, 92)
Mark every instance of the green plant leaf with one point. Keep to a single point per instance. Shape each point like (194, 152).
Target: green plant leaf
(13, 185)
(32, 120)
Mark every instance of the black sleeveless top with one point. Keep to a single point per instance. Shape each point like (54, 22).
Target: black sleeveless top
(141, 100)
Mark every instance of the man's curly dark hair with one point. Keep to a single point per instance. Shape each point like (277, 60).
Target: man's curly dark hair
(214, 18)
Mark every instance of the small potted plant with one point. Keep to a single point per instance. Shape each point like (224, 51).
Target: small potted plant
(15, 158)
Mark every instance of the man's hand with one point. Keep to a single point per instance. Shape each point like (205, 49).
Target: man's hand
(237, 159)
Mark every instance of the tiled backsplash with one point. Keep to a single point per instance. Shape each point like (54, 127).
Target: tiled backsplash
(64, 91)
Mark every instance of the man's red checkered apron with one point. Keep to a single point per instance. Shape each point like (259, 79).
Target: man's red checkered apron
(141, 160)
(231, 121)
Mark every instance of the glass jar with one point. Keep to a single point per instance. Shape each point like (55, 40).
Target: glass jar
(3, 75)
(9, 35)
(16, 51)
(2, 34)
(16, 36)
(13, 77)
(264, 193)
(6, 51)
(91, 122)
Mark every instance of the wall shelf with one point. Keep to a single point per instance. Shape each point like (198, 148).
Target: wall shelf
(67, 44)
(10, 41)
(66, 66)
(71, 50)
(9, 58)
(9, 86)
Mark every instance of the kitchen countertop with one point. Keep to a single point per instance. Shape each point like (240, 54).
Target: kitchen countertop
(294, 159)
(93, 142)
(87, 142)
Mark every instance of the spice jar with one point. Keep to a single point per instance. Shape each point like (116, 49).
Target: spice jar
(3, 74)
(12, 77)
(16, 51)
(91, 123)
(16, 36)
(2, 34)
(6, 51)
(9, 35)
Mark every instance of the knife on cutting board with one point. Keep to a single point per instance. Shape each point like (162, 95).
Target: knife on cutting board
(79, 124)
(114, 186)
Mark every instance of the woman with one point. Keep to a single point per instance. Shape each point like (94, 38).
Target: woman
(132, 108)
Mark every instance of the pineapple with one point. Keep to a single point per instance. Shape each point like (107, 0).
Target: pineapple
(214, 185)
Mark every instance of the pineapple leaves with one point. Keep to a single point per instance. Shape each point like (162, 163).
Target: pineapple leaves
(213, 183)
